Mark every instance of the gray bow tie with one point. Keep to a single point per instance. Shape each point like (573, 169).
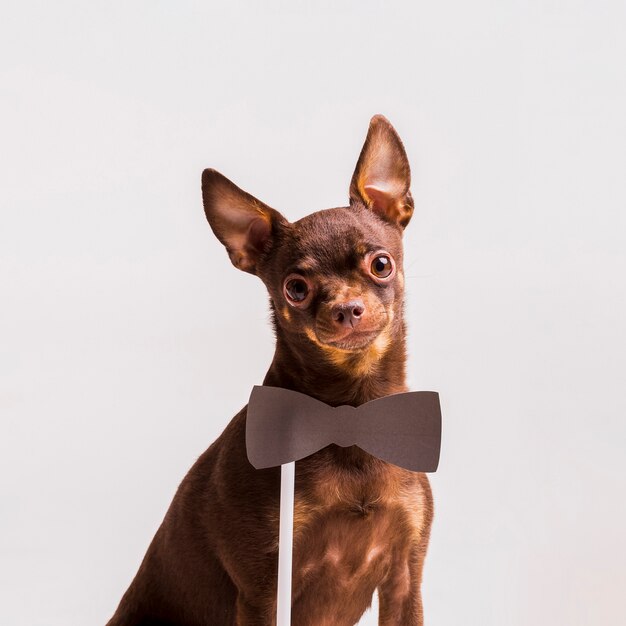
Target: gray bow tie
(284, 425)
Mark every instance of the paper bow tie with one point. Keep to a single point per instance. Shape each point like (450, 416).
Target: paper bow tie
(284, 426)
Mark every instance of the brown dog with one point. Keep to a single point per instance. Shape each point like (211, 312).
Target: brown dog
(336, 286)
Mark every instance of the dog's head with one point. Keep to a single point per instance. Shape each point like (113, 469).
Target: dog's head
(335, 277)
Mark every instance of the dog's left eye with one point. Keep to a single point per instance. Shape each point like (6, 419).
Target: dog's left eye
(381, 266)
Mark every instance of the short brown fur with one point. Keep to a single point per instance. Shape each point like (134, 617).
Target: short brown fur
(361, 524)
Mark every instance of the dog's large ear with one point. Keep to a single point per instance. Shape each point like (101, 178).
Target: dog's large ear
(241, 222)
(382, 176)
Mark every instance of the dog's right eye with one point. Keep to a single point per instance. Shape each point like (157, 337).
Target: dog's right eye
(296, 289)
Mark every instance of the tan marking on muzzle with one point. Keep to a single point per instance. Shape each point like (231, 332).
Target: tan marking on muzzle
(361, 362)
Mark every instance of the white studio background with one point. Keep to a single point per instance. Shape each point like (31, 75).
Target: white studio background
(127, 340)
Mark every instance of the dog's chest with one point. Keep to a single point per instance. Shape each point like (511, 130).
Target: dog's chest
(349, 525)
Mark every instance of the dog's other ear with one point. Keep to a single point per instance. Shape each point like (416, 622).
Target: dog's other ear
(241, 222)
(382, 176)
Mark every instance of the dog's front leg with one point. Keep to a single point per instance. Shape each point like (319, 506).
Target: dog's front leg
(399, 596)
(255, 612)
(400, 610)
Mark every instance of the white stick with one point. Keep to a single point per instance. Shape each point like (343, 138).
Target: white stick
(285, 543)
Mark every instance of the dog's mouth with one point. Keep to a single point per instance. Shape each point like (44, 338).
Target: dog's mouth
(348, 340)
(353, 341)
(357, 336)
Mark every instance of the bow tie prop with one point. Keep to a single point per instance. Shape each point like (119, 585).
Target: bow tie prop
(284, 426)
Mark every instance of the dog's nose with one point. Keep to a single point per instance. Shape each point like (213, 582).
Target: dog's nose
(348, 313)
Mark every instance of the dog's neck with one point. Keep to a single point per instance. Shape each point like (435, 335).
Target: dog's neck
(338, 377)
